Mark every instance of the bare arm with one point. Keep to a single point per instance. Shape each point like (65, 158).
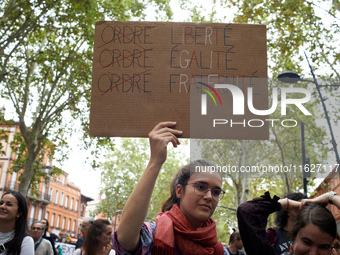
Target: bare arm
(323, 199)
(135, 209)
(293, 208)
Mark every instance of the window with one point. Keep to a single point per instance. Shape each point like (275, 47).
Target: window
(14, 178)
(82, 210)
(74, 226)
(32, 212)
(68, 225)
(66, 201)
(58, 220)
(63, 225)
(49, 162)
(76, 207)
(56, 197)
(62, 198)
(46, 215)
(40, 213)
(43, 190)
(71, 205)
(52, 219)
(64, 180)
(51, 191)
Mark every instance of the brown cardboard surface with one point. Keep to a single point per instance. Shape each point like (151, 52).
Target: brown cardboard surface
(147, 72)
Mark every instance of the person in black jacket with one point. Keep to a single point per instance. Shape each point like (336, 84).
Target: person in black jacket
(48, 236)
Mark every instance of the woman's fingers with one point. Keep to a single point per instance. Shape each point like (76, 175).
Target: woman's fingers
(160, 136)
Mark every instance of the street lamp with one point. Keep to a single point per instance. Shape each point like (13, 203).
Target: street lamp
(233, 210)
(291, 77)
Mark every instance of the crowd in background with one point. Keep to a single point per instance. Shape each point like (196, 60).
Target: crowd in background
(185, 226)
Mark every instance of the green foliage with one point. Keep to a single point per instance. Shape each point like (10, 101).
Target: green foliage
(292, 26)
(283, 149)
(5, 126)
(40, 174)
(46, 51)
(122, 170)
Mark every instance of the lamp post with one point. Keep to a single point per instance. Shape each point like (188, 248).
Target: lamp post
(291, 77)
(233, 210)
(305, 161)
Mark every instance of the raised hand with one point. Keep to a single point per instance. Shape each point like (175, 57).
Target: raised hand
(160, 137)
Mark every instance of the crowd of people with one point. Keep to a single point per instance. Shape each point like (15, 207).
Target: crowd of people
(185, 225)
(17, 239)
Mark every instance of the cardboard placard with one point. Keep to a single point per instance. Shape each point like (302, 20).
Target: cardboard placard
(148, 72)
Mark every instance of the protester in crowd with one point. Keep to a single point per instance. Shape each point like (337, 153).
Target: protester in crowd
(42, 246)
(313, 232)
(14, 239)
(55, 237)
(97, 240)
(59, 250)
(336, 245)
(235, 243)
(83, 228)
(185, 226)
(278, 236)
(47, 235)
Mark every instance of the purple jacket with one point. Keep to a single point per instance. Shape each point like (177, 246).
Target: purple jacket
(252, 220)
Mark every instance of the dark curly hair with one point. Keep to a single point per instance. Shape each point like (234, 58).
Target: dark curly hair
(282, 216)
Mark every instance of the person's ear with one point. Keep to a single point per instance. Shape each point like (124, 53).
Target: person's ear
(19, 213)
(179, 191)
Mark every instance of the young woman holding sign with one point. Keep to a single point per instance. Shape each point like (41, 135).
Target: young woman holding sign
(185, 226)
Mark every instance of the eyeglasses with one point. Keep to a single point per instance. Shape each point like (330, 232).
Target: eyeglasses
(202, 189)
(336, 246)
(34, 228)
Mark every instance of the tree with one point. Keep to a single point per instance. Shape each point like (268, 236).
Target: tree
(124, 167)
(292, 26)
(40, 170)
(283, 149)
(17, 22)
(46, 59)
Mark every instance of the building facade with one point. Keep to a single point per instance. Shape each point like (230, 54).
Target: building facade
(330, 183)
(64, 210)
(57, 200)
(7, 156)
